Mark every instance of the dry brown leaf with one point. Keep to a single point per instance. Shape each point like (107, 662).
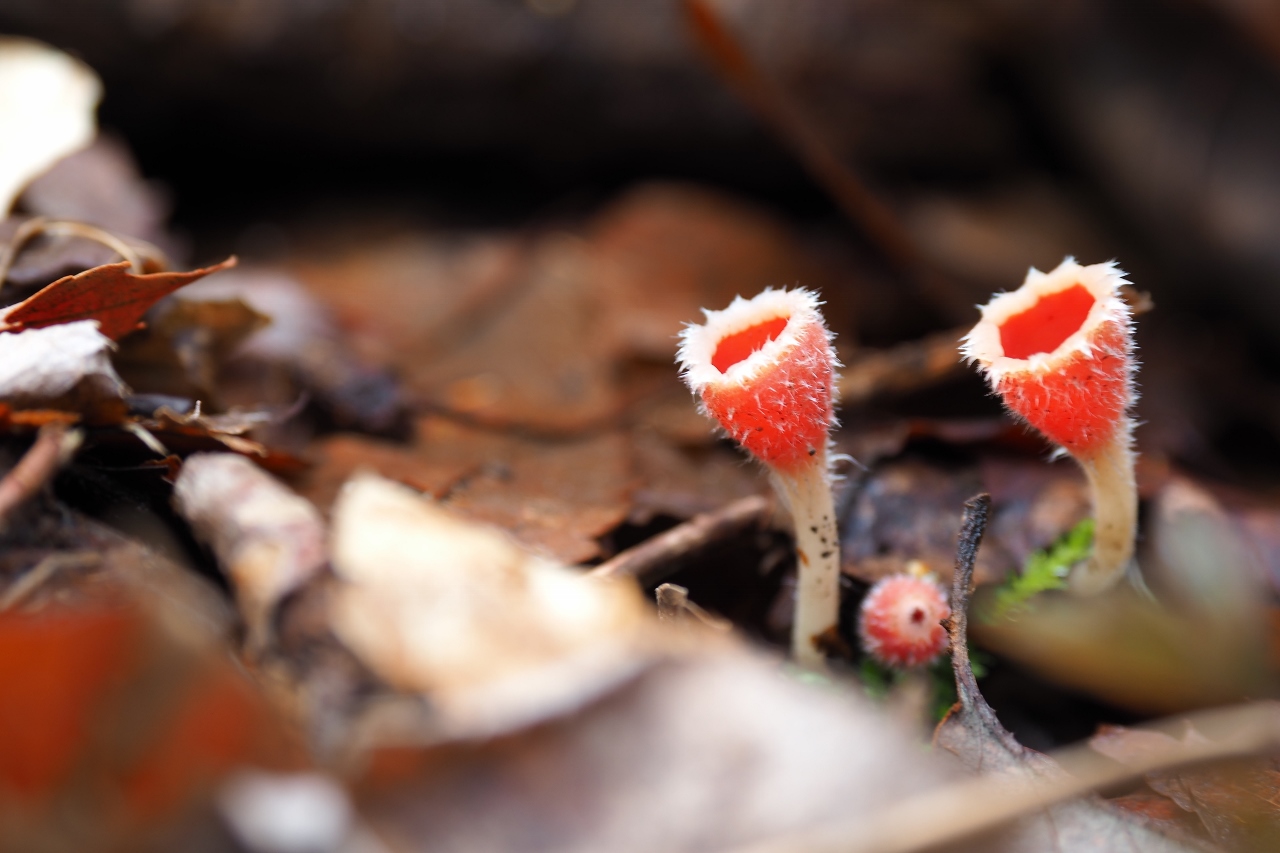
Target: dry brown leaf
(47, 108)
(682, 483)
(543, 362)
(300, 351)
(421, 298)
(496, 637)
(663, 252)
(185, 346)
(418, 294)
(557, 496)
(109, 294)
(1234, 801)
(339, 456)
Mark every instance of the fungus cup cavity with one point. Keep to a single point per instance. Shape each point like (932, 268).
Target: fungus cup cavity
(1059, 352)
(764, 368)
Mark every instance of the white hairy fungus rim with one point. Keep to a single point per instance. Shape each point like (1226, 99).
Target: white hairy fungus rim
(1103, 281)
(698, 343)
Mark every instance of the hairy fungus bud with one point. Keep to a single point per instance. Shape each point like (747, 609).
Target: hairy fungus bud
(900, 620)
(1059, 351)
(765, 369)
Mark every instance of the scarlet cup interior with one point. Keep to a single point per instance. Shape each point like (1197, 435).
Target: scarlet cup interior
(740, 345)
(1044, 326)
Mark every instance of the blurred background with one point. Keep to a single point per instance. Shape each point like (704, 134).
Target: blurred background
(1001, 133)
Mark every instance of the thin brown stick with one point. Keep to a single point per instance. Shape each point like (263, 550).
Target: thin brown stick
(899, 369)
(655, 559)
(137, 254)
(52, 448)
(818, 157)
(27, 585)
(976, 512)
(674, 606)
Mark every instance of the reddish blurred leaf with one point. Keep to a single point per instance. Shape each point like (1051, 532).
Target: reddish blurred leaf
(55, 669)
(121, 712)
(221, 723)
(110, 294)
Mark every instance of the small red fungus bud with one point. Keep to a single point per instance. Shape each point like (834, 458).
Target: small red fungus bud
(900, 622)
(1059, 351)
(765, 369)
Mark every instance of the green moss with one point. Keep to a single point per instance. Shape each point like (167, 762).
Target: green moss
(1044, 570)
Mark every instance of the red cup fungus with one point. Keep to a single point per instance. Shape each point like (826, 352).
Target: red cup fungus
(1059, 352)
(765, 369)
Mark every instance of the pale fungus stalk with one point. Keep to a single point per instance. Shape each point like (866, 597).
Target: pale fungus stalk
(1059, 351)
(765, 369)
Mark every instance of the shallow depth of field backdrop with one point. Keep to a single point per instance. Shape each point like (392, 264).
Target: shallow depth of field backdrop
(468, 233)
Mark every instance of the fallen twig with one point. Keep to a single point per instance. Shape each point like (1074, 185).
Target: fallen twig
(976, 512)
(655, 559)
(54, 445)
(818, 157)
(674, 606)
(27, 584)
(141, 256)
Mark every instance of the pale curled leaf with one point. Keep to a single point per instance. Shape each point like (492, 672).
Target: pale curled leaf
(69, 363)
(495, 636)
(47, 106)
(702, 752)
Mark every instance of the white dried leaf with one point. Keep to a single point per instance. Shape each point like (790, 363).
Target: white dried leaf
(67, 363)
(496, 636)
(47, 110)
(268, 540)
